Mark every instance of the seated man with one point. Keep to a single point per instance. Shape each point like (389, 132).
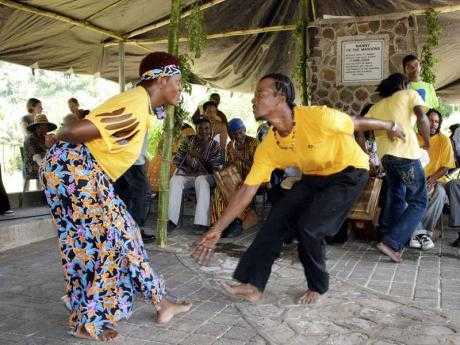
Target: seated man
(197, 158)
(441, 160)
(240, 154)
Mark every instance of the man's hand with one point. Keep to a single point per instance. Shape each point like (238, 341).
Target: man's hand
(204, 248)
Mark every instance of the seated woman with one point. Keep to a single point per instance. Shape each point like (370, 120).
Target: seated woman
(240, 154)
(35, 147)
(197, 158)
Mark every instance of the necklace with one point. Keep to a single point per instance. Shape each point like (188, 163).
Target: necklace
(291, 136)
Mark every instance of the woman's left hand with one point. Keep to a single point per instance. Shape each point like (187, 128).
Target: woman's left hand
(396, 132)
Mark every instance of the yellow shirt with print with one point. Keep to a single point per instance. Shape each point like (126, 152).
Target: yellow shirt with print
(322, 143)
(440, 152)
(119, 147)
(399, 108)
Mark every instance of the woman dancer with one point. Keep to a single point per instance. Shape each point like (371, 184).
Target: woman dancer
(101, 249)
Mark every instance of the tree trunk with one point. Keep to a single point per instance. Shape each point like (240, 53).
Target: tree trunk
(163, 201)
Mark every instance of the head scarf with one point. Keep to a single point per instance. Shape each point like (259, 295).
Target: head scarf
(235, 125)
(158, 72)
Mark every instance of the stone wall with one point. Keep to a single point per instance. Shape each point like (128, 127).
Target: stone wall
(325, 86)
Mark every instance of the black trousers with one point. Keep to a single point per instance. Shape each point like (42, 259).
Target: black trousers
(134, 189)
(4, 202)
(314, 208)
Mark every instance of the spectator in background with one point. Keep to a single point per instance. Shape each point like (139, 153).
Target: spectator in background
(215, 97)
(441, 160)
(240, 154)
(197, 158)
(35, 147)
(218, 123)
(34, 107)
(5, 208)
(412, 69)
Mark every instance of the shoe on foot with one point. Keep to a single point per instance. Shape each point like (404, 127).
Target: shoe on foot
(147, 238)
(199, 229)
(235, 229)
(171, 226)
(426, 242)
(7, 213)
(416, 241)
(456, 243)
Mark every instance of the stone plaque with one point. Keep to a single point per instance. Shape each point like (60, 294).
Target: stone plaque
(362, 60)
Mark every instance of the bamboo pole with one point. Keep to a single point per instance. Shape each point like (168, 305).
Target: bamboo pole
(244, 32)
(303, 64)
(121, 66)
(49, 14)
(161, 23)
(163, 201)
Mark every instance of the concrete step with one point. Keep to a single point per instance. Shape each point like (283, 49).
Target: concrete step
(26, 226)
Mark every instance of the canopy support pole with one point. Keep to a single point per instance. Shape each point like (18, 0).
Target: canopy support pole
(304, 54)
(121, 65)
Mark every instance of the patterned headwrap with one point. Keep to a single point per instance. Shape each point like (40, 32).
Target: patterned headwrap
(159, 72)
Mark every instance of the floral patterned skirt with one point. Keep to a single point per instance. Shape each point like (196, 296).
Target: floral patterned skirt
(102, 252)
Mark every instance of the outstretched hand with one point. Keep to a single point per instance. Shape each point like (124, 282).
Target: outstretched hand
(204, 248)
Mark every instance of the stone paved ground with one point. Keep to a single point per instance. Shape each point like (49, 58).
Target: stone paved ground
(371, 301)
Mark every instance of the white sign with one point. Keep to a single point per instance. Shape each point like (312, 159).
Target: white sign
(362, 60)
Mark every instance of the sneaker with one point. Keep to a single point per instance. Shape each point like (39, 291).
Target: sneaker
(426, 242)
(456, 243)
(235, 229)
(199, 229)
(147, 238)
(416, 241)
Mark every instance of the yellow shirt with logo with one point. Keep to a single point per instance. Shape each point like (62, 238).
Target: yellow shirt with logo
(440, 152)
(122, 121)
(399, 108)
(321, 143)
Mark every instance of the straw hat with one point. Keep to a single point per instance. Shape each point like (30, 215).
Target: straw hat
(41, 119)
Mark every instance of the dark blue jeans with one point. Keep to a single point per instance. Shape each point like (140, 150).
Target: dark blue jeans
(406, 200)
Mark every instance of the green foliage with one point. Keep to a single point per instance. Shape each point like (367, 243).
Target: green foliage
(154, 139)
(196, 36)
(445, 109)
(428, 59)
(186, 69)
(180, 115)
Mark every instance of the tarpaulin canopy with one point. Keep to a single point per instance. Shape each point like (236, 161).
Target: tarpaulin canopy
(84, 35)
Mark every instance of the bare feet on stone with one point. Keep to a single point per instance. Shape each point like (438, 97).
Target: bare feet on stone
(247, 292)
(166, 310)
(309, 297)
(393, 255)
(107, 334)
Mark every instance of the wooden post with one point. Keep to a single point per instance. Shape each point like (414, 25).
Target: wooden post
(304, 55)
(121, 65)
(163, 200)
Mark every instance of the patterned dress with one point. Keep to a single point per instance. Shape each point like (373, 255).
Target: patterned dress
(242, 159)
(102, 253)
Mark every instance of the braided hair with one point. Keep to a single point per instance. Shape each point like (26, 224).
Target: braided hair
(283, 85)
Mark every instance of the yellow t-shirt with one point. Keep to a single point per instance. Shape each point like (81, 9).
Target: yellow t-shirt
(398, 108)
(321, 143)
(122, 121)
(441, 154)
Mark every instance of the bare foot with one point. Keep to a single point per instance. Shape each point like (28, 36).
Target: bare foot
(245, 291)
(309, 297)
(106, 335)
(395, 256)
(166, 310)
